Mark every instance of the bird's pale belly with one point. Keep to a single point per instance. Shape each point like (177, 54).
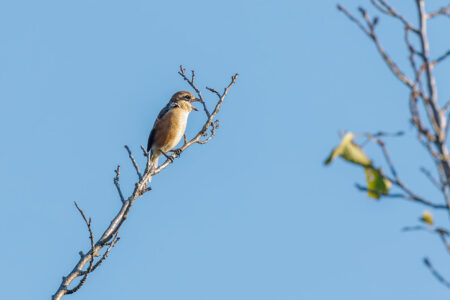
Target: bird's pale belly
(173, 127)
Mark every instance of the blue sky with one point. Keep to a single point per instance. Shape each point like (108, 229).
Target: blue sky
(254, 214)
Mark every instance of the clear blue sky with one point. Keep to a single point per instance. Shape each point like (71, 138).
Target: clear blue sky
(253, 214)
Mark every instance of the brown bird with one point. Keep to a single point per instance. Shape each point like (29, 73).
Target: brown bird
(170, 125)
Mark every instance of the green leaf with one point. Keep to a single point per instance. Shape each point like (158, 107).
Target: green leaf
(350, 152)
(377, 183)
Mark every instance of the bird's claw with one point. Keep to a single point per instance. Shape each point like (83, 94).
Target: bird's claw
(177, 151)
(167, 156)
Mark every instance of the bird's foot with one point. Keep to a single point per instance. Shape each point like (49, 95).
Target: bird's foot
(177, 151)
(167, 156)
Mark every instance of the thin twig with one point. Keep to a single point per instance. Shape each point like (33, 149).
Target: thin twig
(430, 177)
(386, 8)
(402, 196)
(370, 32)
(144, 151)
(105, 255)
(440, 58)
(134, 162)
(92, 253)
(435, 273)
(443, 11)
(182, 73)
(116, 183)
(441, 232)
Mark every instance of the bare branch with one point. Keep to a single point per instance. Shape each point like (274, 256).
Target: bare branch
(430, 177)
(402, 196)
(382, 145)
(387, 9)
(432, 132)
(370, 32)
(396, 179)
(116, 183)
(428, 68)
(110, 236)
(144, 151)
(92, 253)
(105, 255)
(435, 273)
(443, 11)
(353, 19)
(212, 134)
(182, 73)
(441, 232)
(134, 162)
(214, 92)
(440, 58)
(388, 134)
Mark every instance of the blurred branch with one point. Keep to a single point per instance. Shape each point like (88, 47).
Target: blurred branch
(432, 127)
(402, 196)
(387, 9)
(430, 177)
(441, 232)
(443, 11)
(110, 236)
(435, 273)
(370, 32)
(440, 58)
(409, 194)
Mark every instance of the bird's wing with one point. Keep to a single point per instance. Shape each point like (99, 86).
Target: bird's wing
(161, 114)
(150, 140)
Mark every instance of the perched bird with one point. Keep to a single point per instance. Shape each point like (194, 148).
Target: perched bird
(170, 125)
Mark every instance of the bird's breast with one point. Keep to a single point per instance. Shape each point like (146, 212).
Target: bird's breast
(170, 129)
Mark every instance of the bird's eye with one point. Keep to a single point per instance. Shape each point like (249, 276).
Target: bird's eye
(187, 97)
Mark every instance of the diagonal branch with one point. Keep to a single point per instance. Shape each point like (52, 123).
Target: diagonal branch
(110, 236)
(105, 255)
(370, 32)
(134, 162)
(431, 178)
(91, 254)
(440, 58)
(409, 194)
(441, 232)
(387, 9)
(402, 196)
(182, 73)
(443, 11)
(435, 273)
(116, 183)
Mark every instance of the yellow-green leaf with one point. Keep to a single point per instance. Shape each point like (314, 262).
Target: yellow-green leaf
(350, 152)
(427, 217)
(377, 183)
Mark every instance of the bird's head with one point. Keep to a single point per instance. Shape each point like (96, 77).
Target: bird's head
(184, 100)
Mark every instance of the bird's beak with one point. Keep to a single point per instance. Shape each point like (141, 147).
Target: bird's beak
(194, 100)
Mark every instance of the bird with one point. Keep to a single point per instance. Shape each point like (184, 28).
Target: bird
(170, 125)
